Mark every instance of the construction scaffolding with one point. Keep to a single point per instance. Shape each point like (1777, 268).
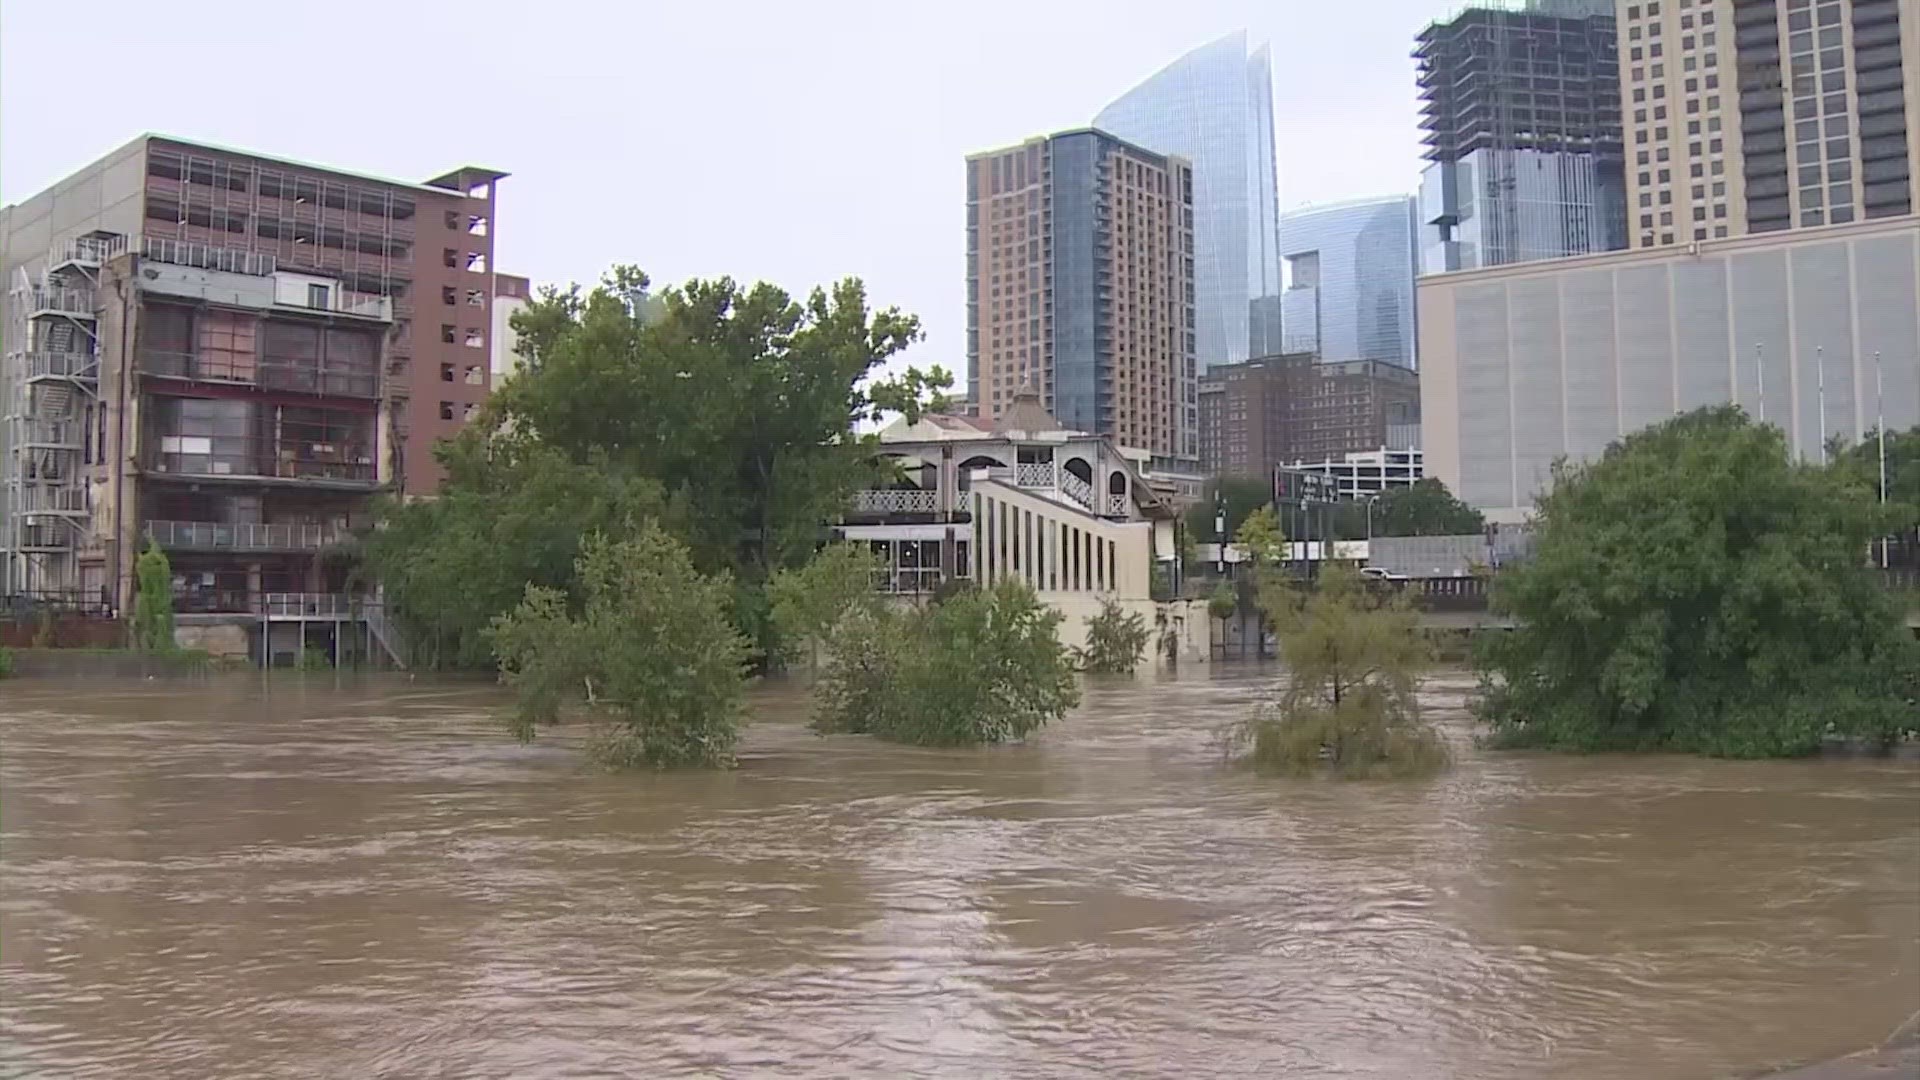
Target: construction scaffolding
(49, 382)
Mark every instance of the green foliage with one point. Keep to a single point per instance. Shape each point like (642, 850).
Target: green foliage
(986, 666)
(643, 647)
(740, 402)
(153, 600)
(1261, 538)
(43, 629)
(1860, 462)
(312, 659)
(807, 603)
(1354, 658)
(6, 662)
(1242, 494)
(1696, 590)
(1223, 603)
(1116, 640)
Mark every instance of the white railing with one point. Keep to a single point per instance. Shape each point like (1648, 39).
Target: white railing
(1034, 474)
(86, 249)
(901, 580)
(62, 433)
(62, 365)
(1116, 505)
(244, 536)
(206, 256)
(383, 632)
(912, 501)
(63, 300)
(313, 605)
(52, 500)
(1077, 489)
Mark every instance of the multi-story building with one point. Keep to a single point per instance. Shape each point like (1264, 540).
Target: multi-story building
(1521, 113)
(510, 294)
(1758, 116)
(1359, 474)
(226, 354)
(1080, 264)
(1815, 331)
(1350, 269)
(1214, 107)
(1276, 410)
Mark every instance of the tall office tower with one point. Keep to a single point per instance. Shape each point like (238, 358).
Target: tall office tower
(1214, 107)
(1080, 284)
(228, 354)
(1521, 109)
(1350, 269)
(1756, 116)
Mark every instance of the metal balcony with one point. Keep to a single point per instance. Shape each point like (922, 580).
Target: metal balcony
(221, 536)
(61, 365)
(40, 499)
(55, 434)
(58, 300)
(912, 501)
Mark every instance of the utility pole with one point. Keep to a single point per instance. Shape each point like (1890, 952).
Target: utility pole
(1880, 430)
(1760, 372)
(1820, 380)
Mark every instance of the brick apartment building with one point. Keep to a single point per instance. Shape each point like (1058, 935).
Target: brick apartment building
(1280, 410)
(228, 354)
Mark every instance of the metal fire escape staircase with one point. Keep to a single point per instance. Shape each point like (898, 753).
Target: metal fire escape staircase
(51, 371)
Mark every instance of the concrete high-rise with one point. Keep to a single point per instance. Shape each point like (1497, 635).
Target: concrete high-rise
(1521, 113)
(1757, 116)
(1350, 269)
(227, 354)
(1080, 284)
(1214, 107)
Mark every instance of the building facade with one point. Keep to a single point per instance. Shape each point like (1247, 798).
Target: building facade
(1359, 474)
(1080, 285)
(1275, 410)
(1349, 279)
(1816, 331)
(1214, 107)
(240, 351)
(1756, 117)
(1521, 115)
(511, 294)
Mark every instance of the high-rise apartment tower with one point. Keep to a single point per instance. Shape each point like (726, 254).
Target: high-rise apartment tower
(1757, 115)
(1080, 284)
(1521, 112)
(1350, 270)
(1214, 107)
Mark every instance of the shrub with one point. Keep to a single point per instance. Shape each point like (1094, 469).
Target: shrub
(1116, 640)
(647, 654)
(6, 662)
(986, 666)
(153, 600)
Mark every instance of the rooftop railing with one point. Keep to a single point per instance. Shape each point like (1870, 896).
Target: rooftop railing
(245, 536)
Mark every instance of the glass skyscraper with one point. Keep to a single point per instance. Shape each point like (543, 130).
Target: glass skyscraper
(1214, 107)
(1350, 269)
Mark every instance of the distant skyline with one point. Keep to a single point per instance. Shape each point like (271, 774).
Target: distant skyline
(794, 146)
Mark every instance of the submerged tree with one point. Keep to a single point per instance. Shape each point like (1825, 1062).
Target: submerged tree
(1116, 640)
(643, 649)
(153, 600)
(1354, 656)
(806, 604)
(1695, 589)
(983, 666)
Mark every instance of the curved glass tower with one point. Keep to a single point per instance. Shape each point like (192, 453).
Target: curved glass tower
(1350, 269)
(1214, 107)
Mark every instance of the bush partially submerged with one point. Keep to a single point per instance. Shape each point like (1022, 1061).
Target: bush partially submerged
(1354, 656)
(1116, 640)
(985, 666)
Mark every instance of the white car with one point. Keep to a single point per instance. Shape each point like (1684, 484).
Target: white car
(1380, 573)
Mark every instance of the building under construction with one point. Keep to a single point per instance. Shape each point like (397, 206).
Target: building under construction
(1522, 122)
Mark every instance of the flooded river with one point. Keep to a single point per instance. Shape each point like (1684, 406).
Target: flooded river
(370, 879)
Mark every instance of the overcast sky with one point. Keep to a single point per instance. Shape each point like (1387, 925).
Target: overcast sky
(791, 142)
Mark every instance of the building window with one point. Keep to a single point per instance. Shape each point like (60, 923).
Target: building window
(447, 294)
(476, 375)
(475, 298)
(446, 372)
(446, 410)
(476, 340)
(446, 333)
(453, 219)
(317, 297)
(450, 257)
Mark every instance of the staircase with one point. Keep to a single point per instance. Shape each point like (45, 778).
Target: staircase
(383, 632)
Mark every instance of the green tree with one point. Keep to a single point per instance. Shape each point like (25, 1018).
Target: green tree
(1354, 657)
(1260, 537)
(1860, 463)
(1694, 589)
(807, 603)
(984, 666)
(643, 648)
(1116, 640)
(6, 662)
(1242, 495)
(153, 600)
(1426, 508)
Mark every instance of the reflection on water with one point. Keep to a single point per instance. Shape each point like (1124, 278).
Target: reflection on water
(371, 879)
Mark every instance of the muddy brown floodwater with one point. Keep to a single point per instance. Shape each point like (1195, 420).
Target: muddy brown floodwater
(370, 879)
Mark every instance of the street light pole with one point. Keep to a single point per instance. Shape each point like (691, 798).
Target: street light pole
(1880, 430)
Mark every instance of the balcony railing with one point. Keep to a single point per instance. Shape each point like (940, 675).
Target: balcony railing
(63, 300)
(39, 499)
(273, 605)
(220, 536)
(62, 365)
(206, 256)
(263, 458)
(65, 434)
(1077, 489)
(1034, 474)
(911, 501)
(86, 249)
(265, 374)
(909, 581)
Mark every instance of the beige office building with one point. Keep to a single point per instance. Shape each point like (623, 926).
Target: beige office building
(1760, 115)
